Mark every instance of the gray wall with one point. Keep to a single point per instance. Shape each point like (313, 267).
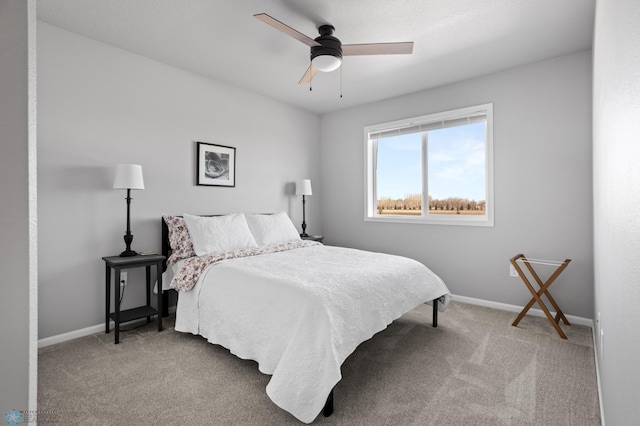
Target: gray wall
(18, 255)
(616, 154)
(542, 173)
(99, 106)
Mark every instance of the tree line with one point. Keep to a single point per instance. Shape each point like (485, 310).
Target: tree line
(414, 202)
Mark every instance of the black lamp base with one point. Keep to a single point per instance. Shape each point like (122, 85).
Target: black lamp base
(128, 238)
(128, 253)
(304, 221)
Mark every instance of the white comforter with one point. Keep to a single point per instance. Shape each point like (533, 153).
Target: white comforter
(302, 312)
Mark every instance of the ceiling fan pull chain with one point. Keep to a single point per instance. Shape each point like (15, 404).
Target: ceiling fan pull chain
(341, 82)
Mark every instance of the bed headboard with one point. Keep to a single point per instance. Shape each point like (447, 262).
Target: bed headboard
(166, 248)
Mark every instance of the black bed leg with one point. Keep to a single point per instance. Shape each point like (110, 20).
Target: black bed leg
(435, 313)
(165, 303)
(328, 406)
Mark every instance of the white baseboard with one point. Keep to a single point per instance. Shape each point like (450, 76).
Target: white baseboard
(514, 308)
(48, 341)
(99, 328)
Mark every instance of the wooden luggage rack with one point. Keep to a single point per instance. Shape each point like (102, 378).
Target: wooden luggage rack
(544, 289)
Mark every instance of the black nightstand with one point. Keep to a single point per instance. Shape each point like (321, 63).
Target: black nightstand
(317, 238)
(118, 263)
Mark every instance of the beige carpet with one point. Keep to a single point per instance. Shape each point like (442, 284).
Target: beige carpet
(474, 369)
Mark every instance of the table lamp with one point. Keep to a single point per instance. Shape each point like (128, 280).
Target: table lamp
(128, 176)
(303, 188)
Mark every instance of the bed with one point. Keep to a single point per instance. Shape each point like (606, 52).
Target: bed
(299, 308)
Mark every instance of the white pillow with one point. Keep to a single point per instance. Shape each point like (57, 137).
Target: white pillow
(272, 229)
(218, 234)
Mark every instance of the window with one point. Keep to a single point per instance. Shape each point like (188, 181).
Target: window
(437, 168)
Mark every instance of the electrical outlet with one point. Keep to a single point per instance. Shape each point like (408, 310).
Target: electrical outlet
(123, 279)
(512, 271)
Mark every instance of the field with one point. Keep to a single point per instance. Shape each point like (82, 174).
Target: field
(419, 212)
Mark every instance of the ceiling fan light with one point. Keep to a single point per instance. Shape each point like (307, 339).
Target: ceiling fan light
(326, 63)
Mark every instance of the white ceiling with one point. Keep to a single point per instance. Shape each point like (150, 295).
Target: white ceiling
(220, 39)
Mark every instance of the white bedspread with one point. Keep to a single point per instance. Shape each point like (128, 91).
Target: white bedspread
(301, 313)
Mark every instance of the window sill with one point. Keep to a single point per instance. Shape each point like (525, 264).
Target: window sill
(456, 220)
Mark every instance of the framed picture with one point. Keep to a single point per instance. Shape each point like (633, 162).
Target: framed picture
(215, 165)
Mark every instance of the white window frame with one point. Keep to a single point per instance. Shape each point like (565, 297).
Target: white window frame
(428, 121)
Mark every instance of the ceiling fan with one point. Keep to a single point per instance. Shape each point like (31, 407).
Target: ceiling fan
(327, 51)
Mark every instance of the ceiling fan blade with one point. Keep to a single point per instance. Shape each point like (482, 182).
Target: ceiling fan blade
(377, 49)
(308, 75)
(286, 29)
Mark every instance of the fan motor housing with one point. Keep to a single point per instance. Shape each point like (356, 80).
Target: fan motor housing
(329, 45)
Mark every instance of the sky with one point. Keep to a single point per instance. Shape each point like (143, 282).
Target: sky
(456, 163)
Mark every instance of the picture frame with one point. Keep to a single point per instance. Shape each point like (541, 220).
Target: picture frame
(215, 165)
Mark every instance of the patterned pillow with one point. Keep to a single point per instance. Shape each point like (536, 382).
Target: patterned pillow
(179, 239)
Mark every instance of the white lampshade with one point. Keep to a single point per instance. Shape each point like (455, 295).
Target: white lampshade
(326, 63)
(128, 176)
(303, 187)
